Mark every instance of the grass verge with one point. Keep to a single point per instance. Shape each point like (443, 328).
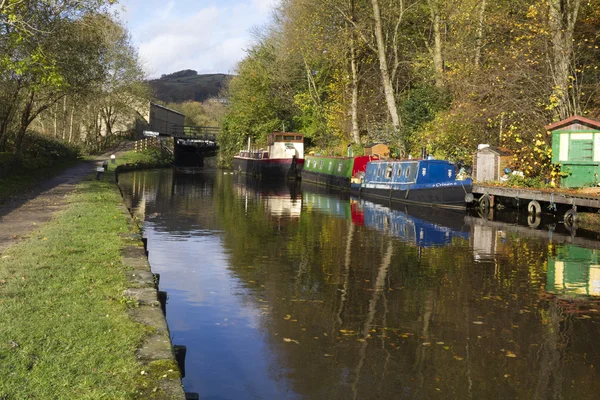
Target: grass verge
(65, 331)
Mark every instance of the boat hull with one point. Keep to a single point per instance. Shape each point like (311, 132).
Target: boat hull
(447, 196)
(337, 182)
(277, 168)
(335, 172)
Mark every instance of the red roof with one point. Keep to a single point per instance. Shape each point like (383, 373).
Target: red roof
(592, 123)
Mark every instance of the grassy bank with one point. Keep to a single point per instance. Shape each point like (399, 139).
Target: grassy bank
(65, 331)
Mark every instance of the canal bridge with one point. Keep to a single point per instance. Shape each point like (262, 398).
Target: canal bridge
(191, 144)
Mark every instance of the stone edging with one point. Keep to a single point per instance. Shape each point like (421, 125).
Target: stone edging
(143, 289)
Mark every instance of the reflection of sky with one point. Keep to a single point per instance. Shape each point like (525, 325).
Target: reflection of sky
(227, 357)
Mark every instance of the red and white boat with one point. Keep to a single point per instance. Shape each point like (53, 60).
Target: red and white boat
(282, 159)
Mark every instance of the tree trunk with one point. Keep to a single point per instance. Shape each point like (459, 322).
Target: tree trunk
(563, 15)
(64, 118)
(385, 76)
(71, 123)
(55, 112)
(25, 121)
(438, 62)
(354, 106)
(479, 33)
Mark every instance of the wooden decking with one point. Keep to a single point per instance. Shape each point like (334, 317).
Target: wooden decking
(527, 195)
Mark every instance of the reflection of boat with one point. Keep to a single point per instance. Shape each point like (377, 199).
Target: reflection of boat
(283, 158)
(431, 182)
(281, 198)
(423, 226)
(574, 270)
(334, 171)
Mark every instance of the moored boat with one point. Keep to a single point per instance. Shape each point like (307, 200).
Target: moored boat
(282, 159)
(335, 172)
(431, 182)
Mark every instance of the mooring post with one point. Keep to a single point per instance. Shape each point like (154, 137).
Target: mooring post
(180, 353)
(162, 298)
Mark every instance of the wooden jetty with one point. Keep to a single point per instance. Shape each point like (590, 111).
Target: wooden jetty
(535, 201)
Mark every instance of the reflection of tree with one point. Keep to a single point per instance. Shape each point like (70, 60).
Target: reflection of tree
(553, 344)
(365, 333)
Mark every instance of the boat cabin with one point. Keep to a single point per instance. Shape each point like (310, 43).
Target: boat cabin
(285, 145)
(410, 171)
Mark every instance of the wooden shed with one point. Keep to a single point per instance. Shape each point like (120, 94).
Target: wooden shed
(576, 146)
(377, 149)
(489, 163)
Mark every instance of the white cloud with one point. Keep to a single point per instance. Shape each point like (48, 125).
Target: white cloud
(207, 36)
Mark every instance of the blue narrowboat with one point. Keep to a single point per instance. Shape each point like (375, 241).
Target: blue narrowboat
(431, 182)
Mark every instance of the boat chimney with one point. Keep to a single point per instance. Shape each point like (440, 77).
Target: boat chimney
(248, 143)
(423, 152)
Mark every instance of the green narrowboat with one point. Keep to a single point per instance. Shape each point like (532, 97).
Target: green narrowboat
(335, 172)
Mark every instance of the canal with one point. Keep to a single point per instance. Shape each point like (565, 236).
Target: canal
(293, 292)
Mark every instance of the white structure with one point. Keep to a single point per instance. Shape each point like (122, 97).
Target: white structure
(285, 145)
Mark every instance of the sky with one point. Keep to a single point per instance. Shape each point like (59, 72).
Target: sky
(209, 36)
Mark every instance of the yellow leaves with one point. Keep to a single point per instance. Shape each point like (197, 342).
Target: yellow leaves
(510, 354)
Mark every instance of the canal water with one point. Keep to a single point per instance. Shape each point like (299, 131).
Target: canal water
(293, 292)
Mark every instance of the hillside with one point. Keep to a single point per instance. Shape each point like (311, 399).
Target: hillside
(188, 85)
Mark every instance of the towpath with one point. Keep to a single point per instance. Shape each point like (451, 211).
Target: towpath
(24, 213)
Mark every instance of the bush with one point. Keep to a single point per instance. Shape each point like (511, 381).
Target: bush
(44, 147)
(528, 182)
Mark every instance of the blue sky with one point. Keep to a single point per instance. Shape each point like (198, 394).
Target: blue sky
(204, 35)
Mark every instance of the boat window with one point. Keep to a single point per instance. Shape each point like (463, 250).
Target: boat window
(321, 165)
(279, 137)
(378, 171)
(407, 173)
(399, 173)
(288, 137)
(388, 172)
(340, 167)
(330, 165)
(298, 137)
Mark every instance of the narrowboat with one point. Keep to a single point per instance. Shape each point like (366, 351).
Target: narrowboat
(335, 172)
(282, 159)
(417, 181)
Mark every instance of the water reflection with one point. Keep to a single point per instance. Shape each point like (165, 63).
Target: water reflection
(335, 302)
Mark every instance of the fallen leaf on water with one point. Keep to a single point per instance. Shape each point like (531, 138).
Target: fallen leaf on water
(478, 322)
(361, 340)
(327, 355)
(288, 340)
(510, 354)
(446, 347)
(426, 344)
(439, 342)
(585, 316)
(288, 316)
(506, 375)
(458, 358)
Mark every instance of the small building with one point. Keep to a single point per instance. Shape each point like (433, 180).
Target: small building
(489, 162)
(576, 146)
(160, 119)
(377, 149)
